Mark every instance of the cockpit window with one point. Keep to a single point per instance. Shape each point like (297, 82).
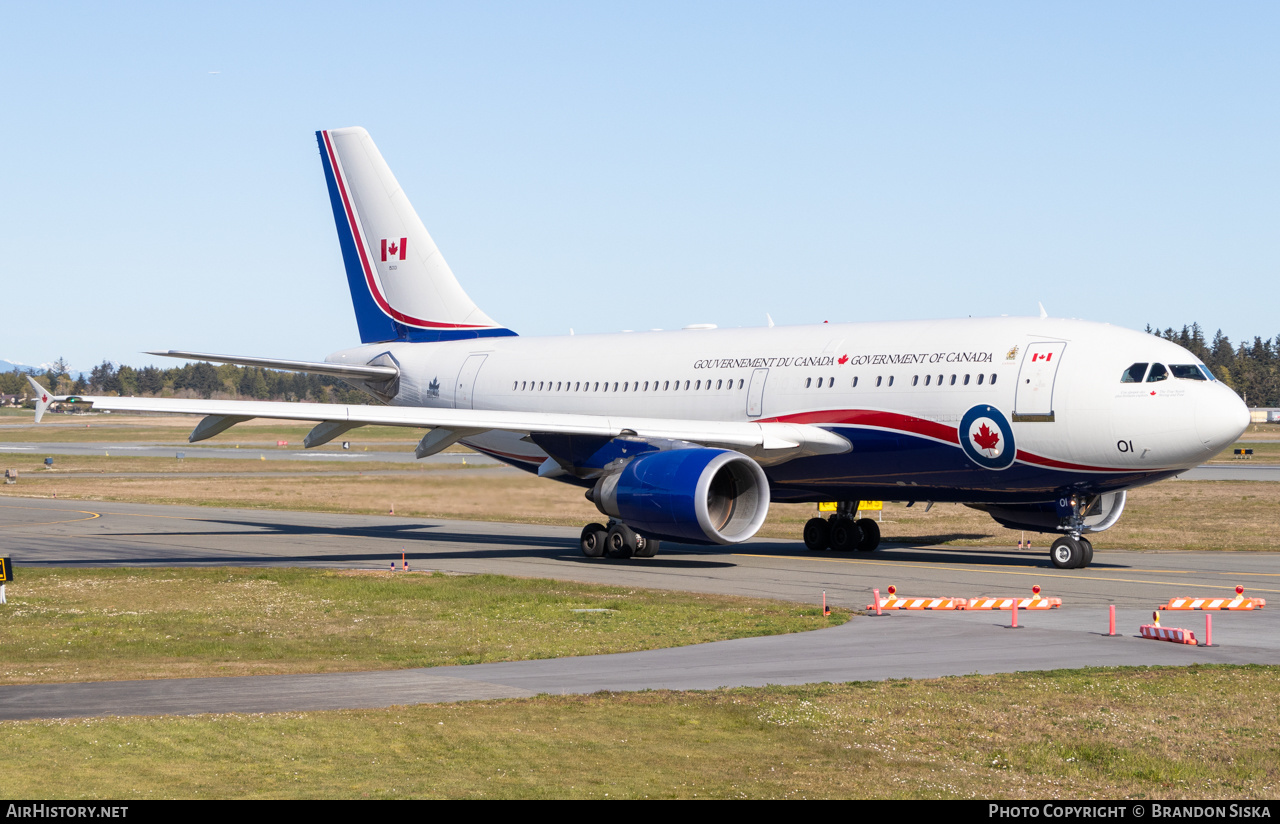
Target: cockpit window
(1134, 373)
(1158, 373)
(1187, 371)
(1206, 372)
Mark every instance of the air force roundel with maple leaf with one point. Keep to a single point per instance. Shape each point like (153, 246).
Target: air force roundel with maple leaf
(987, 438)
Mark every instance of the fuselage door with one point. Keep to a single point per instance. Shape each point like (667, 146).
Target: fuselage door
(1034, 398)
(755, 393)
(464, 388)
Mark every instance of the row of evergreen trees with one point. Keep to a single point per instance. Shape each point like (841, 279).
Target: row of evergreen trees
(1251, 369)
(192, 380)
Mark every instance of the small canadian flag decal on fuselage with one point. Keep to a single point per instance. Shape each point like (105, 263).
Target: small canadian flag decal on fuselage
(394, 248)
(1037, 356)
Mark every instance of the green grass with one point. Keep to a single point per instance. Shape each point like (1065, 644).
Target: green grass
(1145, 733)
(113, 624)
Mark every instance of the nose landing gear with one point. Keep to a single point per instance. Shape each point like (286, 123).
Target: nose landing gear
(1070, 552)
(1073, 551)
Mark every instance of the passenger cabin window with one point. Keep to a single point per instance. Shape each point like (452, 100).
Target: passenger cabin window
(1157, 373)
(1134, 373)
(878, 380)
(1186, 371)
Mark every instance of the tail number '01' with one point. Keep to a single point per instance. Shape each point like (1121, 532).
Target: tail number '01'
(1124, 446)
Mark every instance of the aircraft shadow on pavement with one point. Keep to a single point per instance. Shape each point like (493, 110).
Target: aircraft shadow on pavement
(921, 552)
(477, 545)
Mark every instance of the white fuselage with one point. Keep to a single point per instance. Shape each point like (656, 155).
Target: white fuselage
(897, 390)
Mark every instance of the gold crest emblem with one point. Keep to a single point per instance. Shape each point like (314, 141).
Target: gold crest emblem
(1011, 354)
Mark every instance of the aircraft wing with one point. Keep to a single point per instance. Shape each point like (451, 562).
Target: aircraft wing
(766, 442)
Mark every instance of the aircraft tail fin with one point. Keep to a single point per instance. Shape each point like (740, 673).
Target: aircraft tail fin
(43, 397)
(400, 284)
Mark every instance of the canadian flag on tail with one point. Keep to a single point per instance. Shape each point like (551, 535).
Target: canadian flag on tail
(394, 248)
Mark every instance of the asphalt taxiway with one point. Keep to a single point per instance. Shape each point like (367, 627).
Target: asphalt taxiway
(41, 532)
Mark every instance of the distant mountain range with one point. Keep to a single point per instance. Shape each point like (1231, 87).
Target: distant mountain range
(7, 365)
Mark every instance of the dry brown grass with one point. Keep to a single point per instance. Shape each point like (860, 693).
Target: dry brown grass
(1237, 515)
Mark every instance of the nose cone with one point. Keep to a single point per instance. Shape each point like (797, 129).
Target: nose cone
(1221, 417)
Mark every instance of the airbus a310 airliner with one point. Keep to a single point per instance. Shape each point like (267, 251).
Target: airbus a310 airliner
(689, 435)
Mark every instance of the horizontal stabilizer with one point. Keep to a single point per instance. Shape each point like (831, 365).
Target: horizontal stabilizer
(337, 370)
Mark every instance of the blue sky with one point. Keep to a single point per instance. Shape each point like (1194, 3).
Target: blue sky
(607, 166)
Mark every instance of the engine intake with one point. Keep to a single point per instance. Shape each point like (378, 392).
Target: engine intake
(710, 496)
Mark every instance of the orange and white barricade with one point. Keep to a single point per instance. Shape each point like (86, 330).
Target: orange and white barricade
(1239, 602)
(1158, 633)
(894, 602)
(1007, 603)
(1215, 603)
(1034, 602)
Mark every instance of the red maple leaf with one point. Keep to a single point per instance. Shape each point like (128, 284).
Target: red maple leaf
(985, 438)
(843, 360)
(393, 248)
(45, 398)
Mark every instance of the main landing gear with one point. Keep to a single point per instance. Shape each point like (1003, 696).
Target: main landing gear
(1071, 552)
(617, 540)
(842, 532)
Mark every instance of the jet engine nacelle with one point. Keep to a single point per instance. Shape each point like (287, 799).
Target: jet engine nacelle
(709, 496)
(1100, 513)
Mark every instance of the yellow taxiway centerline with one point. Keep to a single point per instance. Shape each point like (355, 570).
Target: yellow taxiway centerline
(91, 515)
